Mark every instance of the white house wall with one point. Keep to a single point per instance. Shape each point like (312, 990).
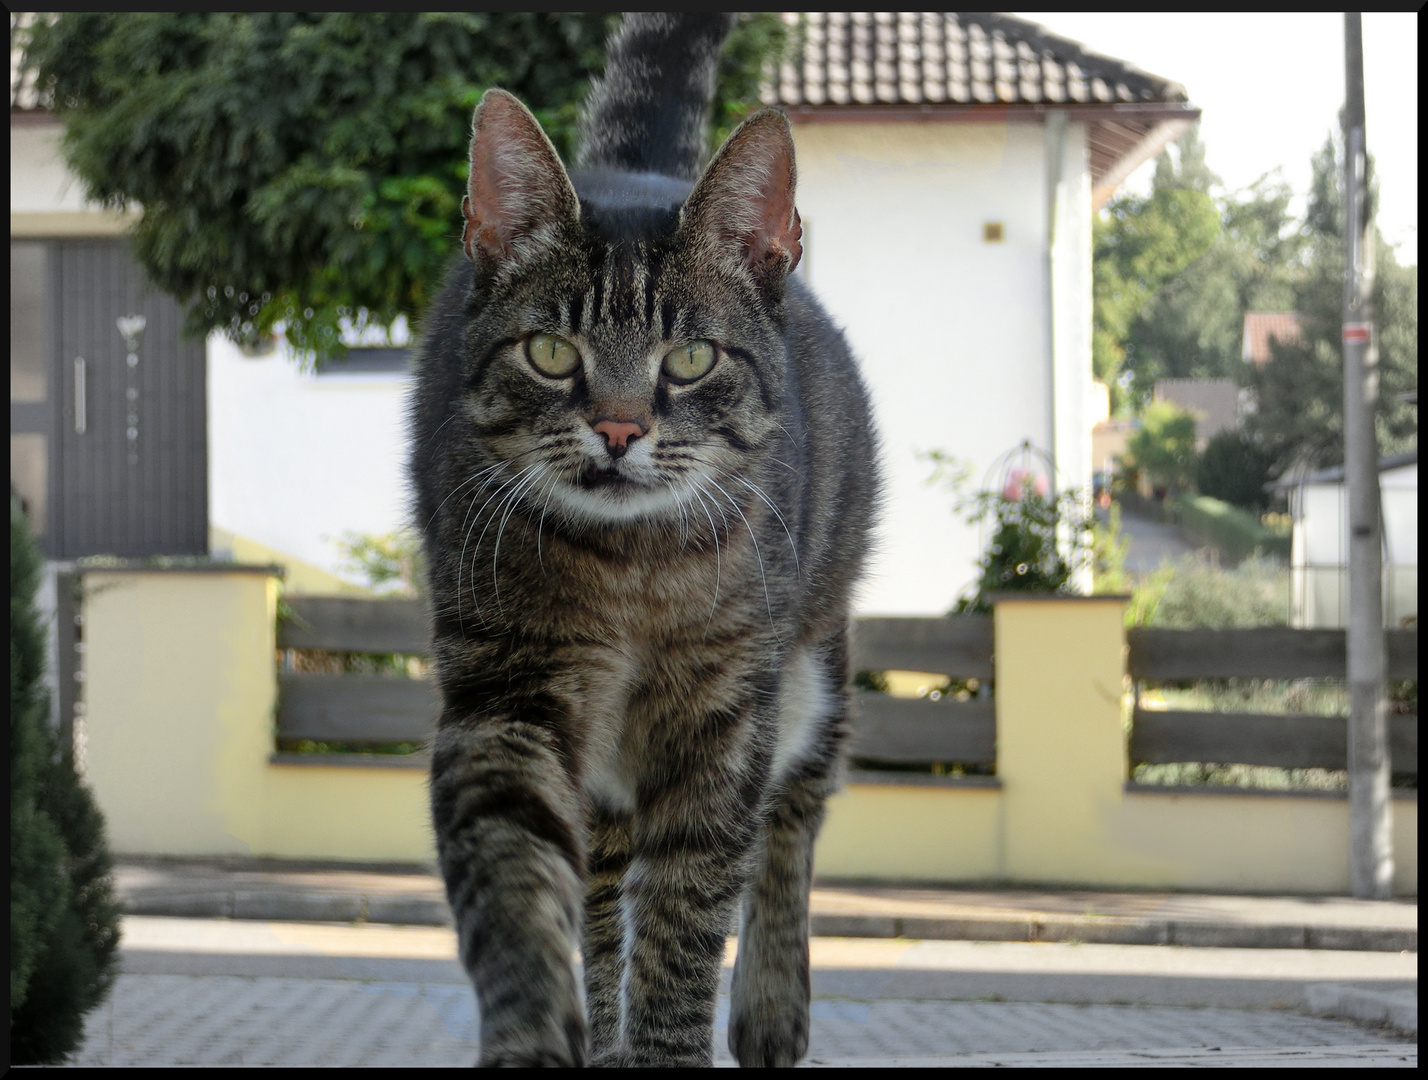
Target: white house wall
(1399, 492)
(953, 333)
(39, 180)
(1319, 555)
(1076, 410)
(46, 200)
(296, 460)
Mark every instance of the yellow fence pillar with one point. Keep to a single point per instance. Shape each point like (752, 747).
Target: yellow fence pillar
(1061, 748)
(179, 694)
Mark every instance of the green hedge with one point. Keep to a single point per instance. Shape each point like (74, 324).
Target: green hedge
(64, 918)
(1236, 533)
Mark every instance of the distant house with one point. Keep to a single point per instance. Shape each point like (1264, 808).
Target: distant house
(1262, 327)
(1319, 557)
(1215, 404)
(949, 166)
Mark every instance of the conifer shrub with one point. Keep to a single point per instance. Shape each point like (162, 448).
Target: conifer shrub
(64, 919)
(1235, 469)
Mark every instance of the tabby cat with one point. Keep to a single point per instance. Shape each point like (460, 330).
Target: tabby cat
(645, 467)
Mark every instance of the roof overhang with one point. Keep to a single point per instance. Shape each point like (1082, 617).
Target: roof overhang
(1121, 136)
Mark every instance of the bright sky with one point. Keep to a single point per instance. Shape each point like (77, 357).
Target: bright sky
(1270, 87)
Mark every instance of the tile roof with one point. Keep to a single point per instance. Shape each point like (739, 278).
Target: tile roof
(921, 64)
(919, 57)
(1260, 326)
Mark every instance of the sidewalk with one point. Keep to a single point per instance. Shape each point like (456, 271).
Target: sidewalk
(1152, 543)
(248, 992)
(412, 895)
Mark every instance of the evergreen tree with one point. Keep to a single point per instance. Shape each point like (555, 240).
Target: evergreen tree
(64, 921)
(36, 849)
(1193, 328)
(295, 169)
(1299, 399)
(1234, 467)
(1139, 244)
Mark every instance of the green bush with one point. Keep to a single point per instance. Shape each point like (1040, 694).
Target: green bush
(1233, 532)
(64, 921)
(1023, 555)
(1108, 554)
(1162, 449)
(1234, 469)
(1195, 592)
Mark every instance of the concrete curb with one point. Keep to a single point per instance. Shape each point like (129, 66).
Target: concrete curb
(296, 907)
(1398, 1010)
(1113, 930)
(428, 910)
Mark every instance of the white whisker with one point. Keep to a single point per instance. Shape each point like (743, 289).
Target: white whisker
(714, 531)
(549, 487)
(757, 555)
(511, 500)
(767, 502)
(462, 562)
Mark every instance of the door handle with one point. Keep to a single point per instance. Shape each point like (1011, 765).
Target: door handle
(81, 419)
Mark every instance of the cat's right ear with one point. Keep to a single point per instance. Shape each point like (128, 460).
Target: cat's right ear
(744, 203)
(518, 190)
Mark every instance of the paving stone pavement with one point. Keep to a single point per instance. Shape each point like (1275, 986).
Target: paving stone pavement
(394, 996)
(158, 1020)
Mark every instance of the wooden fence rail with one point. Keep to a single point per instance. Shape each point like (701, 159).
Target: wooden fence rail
(1286, 741)
(1290, 741)
(1269, 652)
(378, 709)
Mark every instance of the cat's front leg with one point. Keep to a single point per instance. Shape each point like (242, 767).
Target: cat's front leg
(691, 847)
(768, 1015)
(510, 849)
(602, 951)
(769, 1007)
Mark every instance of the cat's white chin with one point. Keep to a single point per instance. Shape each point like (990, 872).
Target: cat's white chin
(617, 506)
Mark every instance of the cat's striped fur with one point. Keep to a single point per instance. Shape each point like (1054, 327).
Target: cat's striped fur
(641, 648)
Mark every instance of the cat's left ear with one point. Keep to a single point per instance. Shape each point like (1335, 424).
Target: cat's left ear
(517, 187)
(744, 201)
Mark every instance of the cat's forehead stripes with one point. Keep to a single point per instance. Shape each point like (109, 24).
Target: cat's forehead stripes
(623, 288)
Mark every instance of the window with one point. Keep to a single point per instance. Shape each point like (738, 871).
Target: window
(362, 361)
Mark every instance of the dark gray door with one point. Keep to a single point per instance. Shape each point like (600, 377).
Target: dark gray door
(130, 469)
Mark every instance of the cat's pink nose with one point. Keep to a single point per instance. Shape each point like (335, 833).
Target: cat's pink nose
(618, 434)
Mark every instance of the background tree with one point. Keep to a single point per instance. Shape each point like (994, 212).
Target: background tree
(1162, 449)
(1193, 328)
(1234, 467)
(64, 921)
(1138, 244)
(296, 169)
(1298, 393)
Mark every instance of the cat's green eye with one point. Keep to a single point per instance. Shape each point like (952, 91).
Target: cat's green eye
(552, 355)
(685, 363)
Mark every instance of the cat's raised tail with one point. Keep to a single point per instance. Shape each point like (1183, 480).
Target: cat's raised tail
(648, 111)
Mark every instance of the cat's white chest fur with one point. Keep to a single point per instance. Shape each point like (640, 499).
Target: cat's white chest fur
(609, 779)
(805, 701)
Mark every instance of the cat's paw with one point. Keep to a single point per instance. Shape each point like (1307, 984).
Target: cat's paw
(772, 1037)
(548, 1045)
